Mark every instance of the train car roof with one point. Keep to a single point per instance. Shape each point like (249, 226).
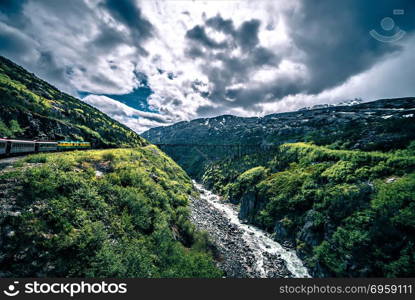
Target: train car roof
(21, 141)
(36, 141)
(72, 142)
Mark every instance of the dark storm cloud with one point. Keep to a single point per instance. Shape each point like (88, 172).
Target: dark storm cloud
(263, 56)
(126, 12)
(11, 15)
(12, 42)
(221, 25)
(334, 36)
(198, 34)
(49, 66)
(331, 40)
(194, 52)
(11, 7)
(247, 35)
(31, 38)
(108, 39)
(234, 68)
(20, 42)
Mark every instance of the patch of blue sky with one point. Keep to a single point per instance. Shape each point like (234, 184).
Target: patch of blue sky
(137, 99)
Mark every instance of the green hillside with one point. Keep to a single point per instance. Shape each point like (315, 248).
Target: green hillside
(348, 213)
(31, 108)
(101, 213)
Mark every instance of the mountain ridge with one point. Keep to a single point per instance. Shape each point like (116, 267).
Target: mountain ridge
(383, 125)
(380, 107)
(405, 103)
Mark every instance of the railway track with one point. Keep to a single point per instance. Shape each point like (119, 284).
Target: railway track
(7, 161)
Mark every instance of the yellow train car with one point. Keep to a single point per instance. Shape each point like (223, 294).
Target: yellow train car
(73, 145)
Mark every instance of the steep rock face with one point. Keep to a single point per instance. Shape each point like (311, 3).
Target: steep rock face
(310, 233)
(379, 125)
(248, 206)
(33, 109)
(282, 234)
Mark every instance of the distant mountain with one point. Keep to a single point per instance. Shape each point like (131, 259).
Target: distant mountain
(370, 117)
(32, 108)
(343, 103)
(379, 125)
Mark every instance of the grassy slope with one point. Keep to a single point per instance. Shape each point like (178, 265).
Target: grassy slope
(60, 217)
(349, 213)
(32, 108)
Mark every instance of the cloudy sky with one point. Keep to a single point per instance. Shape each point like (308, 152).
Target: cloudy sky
(153, 63)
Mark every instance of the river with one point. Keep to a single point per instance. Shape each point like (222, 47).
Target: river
(243, 250)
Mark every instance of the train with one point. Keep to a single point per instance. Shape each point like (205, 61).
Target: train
(14, 147)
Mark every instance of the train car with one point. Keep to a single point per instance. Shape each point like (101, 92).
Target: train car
(3, 146)
(18, 146)
(15, 147)
(46, 146)
(73, 145)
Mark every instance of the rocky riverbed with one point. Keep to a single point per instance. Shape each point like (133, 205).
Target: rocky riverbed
(243, 250)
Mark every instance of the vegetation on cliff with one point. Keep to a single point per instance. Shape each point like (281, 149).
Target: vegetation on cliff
(31, 108)
(349, 213)
(102, 213)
